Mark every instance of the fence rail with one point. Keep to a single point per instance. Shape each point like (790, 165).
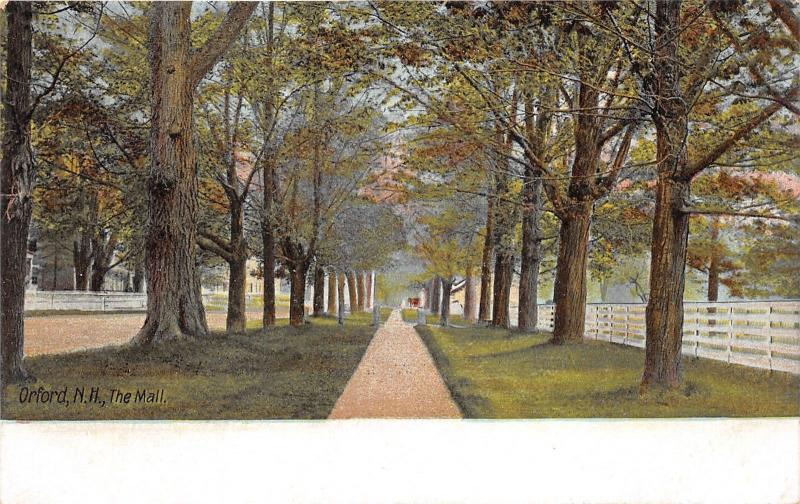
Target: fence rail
(84, 301)
(106, 301)
(764, 334)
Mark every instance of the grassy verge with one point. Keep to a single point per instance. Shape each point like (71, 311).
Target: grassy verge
(501, 374)
(285, 373)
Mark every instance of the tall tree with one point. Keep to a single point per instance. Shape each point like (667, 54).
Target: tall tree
(174, 303)
(16, 185)
(683, 60)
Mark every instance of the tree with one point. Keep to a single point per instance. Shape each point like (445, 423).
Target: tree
(174, 304)
(17, 185)
(683, 60)
(18, 171)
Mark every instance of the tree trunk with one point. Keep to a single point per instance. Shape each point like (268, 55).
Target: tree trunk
(319, 292)
(268, 245)
(444, 313)
(713, 266)
(485, 304)
(351, 291)
(268, 176)
(174, 303)
(103, 251)
(713, 280)
(469, 297)
(529, 275)
(16, 188)
(569, 291)
(340, 278)
(429, 295)
(297, 296)
(436, 298)
(503, 271)
(332, 292)
(664, 314)
(667, 273)
(82, 260)
(138, 278)
(368, 288)
(604, 291)
(236, 319)
(360, 290)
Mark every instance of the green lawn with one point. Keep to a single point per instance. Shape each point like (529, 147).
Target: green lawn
(502, 374)
(287, 373)
(410, 315)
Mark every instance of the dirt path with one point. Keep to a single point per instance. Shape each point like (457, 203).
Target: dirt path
(67, 333)
(396, 379)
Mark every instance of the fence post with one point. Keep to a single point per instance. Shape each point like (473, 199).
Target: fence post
(696, 333)
(103, 300)
(730, 333)
(376, 315)
(625, 334)
(769, 336)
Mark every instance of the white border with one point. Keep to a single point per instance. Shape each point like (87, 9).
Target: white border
(416, 461)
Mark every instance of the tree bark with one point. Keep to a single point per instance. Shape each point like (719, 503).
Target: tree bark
(16, 188)
(174, 304)
(236, 319)
(470, 283)
(340, 279)
(297, 295)
(429, 295)
(444, 313)
(332, 292)
(485, 304)
(713, 266)
(103, 252)
(368, 288)
(138, 278)
(360, 291)
(527, 317)
(351, 291)
(569, 291)
(436, 297)
(664, 314)
(319, 292)
(268, 245)
(82, 260)
(503, 271)
(268, 194)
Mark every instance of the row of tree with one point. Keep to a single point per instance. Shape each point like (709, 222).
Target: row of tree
(565, 114)
(254, 134)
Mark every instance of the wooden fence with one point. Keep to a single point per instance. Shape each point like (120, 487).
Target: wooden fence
(764, 334)
(107, 301)
(84, 301)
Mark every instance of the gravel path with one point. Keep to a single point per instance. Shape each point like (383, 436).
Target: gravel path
(51, 334)
(396, 378)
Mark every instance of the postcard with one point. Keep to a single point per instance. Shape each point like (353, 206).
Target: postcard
(557, 216)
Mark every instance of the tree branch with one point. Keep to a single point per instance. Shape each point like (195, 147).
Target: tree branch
(794, 219)
(745, 130)
(204, 58)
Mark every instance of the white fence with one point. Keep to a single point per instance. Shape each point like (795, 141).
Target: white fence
(108, 301)
(762, 334)
(84, 301)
